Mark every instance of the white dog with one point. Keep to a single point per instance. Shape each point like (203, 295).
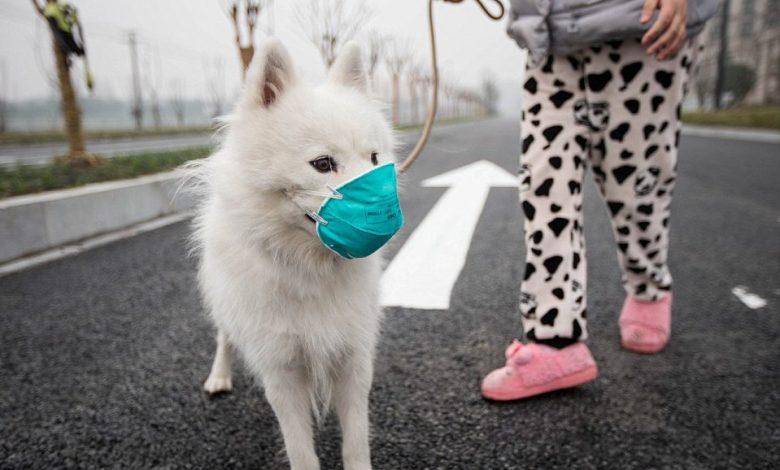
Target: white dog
(304, 319)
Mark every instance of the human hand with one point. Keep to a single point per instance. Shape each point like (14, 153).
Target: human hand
(667, 35)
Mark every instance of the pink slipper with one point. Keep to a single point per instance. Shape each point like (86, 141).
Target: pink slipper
(645, 326)
(532, 369)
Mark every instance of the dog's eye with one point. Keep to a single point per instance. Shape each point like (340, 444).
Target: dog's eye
(374, 158)
(324, 164)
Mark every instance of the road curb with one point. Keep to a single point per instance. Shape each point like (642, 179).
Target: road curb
(732, 133)
(36, 223)
(71, 249)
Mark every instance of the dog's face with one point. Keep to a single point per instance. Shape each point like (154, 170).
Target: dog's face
(287, 135)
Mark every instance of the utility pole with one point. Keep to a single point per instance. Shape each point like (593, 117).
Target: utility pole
(137, 111)
(723, 53)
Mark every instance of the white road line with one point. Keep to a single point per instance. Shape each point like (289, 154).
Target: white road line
(751, 300)
(426, 268)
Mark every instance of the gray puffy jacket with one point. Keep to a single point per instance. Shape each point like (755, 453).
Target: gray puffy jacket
(565, 26)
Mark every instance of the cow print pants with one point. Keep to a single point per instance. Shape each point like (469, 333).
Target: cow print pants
(616, 110)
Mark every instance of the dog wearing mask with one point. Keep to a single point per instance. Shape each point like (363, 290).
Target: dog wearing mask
(296, 203)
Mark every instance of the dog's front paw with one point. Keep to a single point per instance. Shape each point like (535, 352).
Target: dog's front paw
(218, 384)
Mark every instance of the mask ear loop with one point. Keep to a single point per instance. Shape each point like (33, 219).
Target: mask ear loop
(332, 194)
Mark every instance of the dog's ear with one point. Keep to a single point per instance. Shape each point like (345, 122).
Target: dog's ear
(348, 68)
(270, 74)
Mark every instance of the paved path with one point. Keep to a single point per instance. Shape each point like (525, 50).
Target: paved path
(102, 355)
(42, 153)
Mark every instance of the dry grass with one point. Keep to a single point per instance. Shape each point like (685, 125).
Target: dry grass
(25, 179)
(764, 117)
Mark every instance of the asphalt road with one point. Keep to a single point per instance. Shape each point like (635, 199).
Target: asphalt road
(38, 154)
(102, 355)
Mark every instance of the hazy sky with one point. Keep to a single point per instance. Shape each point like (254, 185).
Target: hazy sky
(188, 41)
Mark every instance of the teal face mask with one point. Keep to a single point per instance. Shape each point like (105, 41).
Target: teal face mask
(361, 215)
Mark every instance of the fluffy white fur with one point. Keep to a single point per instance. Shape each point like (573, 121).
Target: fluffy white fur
(304, 320)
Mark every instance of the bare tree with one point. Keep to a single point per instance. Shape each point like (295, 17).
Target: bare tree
(490, 93)
(424, 84)
(450, 91)
(71, 113)
(414, 75)
(154, 101)
(444, 95)
(3, 97)
(396, 59)
(474, 104)
(177, 101)
(46, 69)
(246, 16)
(137, 110)
(704, 85)
(216, 86)
(330, 23)
(153, 84)
(375, 45)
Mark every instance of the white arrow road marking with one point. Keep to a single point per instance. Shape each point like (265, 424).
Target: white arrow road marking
(751, 300)
(424, 271)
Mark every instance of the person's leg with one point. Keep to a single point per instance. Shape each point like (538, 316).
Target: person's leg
(555, 135)
(634, 162)
(552, 166)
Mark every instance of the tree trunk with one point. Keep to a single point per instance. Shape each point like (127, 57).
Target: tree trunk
(156, 115)
(3, 113)
(246, 54)
(415, 116)
(396, 97)
(70, 111)
(424, 102)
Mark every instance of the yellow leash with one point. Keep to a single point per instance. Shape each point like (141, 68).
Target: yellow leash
(429, 120)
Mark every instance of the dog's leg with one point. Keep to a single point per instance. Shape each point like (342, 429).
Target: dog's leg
(219, 379)
(287, 390)
(351, 403)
